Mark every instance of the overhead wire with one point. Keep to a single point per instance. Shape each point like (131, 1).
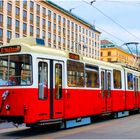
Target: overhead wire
(112, 20)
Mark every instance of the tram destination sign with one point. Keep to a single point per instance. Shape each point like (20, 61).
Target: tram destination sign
(74, 56)
(10, 49)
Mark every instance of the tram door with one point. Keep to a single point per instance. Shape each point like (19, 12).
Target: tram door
(56, 89)
(50, 81)
(106, 90)
(136, 91)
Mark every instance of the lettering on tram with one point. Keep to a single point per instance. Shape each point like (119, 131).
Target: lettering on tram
(74, 56)
(10, 49)
(16, 70)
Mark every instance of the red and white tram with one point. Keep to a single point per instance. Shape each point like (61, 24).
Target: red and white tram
(40, 85)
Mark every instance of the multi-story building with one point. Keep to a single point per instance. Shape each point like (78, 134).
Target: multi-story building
(112, 53)
(44, 19)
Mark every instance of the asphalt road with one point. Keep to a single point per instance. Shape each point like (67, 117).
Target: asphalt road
(122, 128)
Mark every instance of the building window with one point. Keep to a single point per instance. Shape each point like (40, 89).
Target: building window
(101, 53)
(38, 8)
(1, 18)
(38, 20)
(17, 24)
(59, 19)
(9, 7)
(117, 79)
(9, 22)
(72, 25)
(38, 32)
(31, 30)
(1, 4)
(49, 25)
(49, 13)
(44, 11)
(24, 28)
(24, 3)
(109, 53)
(9, 35)
(44, 23)
(43, 34)
(1, 33)
(64, 21)
(17, 11)
(31, 4)
(54, 39)
(54, 16)
(24, 15)
(68, 23)
(31, 18)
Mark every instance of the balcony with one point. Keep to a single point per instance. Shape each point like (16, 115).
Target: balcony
(17, 16)
(31, 21)
(44, 26)
(17, 29)
(1, 38)
(44, 15)
(8, 40)
(9, 13)
(49, 29)
(24, 32)
(49, 40)
(24, 6)
(54, 31)
(25, 19)
(37, 24)
(31, 34)
(1, 9)
(17, 3)
(38, 12)
(9, 27)
(38, 36)
(31, 9)
(49, 18)
(1, 24)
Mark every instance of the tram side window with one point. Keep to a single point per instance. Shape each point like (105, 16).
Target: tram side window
(117, 79)
(92, 76)
(43, 80)
(75, 74)
(136, 83)
(16, 70)
(58, 81)
(130, 80)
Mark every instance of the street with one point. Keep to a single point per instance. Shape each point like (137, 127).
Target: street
(128, 127)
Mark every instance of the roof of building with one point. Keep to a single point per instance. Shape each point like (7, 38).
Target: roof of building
(72, 15)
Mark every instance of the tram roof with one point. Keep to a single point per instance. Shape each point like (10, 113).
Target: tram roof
(29, 44)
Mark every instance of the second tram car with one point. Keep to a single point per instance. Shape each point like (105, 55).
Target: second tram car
(41, 86)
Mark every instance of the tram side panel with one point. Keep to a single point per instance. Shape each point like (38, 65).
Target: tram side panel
(81, 102)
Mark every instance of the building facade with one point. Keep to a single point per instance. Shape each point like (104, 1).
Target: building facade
(112, 53)
(44, 19)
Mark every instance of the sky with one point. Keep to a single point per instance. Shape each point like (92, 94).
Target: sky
(125, 13)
